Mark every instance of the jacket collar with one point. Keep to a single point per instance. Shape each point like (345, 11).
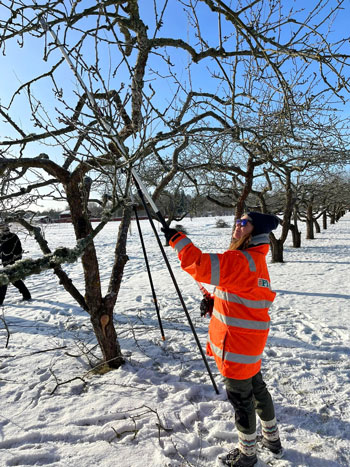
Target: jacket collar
(259, 239)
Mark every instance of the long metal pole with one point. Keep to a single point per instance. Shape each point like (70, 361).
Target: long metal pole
(149, 274)
(177, 289)
(143, 193)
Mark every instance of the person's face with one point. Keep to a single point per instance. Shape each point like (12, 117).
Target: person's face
(242, 228)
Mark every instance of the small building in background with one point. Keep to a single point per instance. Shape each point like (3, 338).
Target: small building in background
(65, 216)
(43, 219)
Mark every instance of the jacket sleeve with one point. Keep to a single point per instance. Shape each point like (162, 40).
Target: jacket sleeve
(211, 268)
(17, 250)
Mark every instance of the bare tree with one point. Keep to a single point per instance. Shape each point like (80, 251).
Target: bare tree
(159, 90)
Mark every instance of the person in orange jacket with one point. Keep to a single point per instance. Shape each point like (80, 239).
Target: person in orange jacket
(239, 325)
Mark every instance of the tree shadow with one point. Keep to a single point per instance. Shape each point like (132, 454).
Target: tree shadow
(308, 460)
(311, 294)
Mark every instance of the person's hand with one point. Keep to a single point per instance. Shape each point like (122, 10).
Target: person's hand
(207, 305)
(168, 233)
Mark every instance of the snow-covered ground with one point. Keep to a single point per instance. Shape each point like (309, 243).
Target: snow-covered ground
(160, 408)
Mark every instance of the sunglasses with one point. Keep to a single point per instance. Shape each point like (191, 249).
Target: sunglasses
(242, 222)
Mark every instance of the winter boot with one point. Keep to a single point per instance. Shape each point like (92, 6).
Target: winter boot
(270, 438)
(245, 454)
(236, 458)
(275, 447)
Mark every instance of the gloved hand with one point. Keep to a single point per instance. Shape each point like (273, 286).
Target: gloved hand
(168, 233)
(207, 305)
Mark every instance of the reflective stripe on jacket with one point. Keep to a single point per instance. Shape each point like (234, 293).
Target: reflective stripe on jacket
(239, 325)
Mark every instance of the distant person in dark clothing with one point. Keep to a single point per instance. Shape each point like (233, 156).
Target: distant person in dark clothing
(11, 251)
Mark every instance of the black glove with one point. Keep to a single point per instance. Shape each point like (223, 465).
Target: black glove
(207, 305)
(168, 233)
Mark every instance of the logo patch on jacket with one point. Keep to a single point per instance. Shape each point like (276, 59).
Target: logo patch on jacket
(264, 283)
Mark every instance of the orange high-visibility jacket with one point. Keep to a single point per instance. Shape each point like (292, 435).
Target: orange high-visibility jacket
(240, 322)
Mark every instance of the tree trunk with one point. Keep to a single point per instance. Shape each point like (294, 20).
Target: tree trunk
(102, 323)
(332, 216)
(309, 224)
(339, 215)
(317, 226)
(296, 236)
(276, 249)
(100, 310)
(324, 220)
(102, 318)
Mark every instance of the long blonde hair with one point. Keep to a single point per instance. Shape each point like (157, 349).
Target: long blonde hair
(240, 244)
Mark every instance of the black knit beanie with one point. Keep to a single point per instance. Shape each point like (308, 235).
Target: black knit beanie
(263, 223)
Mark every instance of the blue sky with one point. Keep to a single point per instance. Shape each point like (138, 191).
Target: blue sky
(21, 64)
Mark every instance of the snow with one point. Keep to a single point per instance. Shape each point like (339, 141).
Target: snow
(160, 408)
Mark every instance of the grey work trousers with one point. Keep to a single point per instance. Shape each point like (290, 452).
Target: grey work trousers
(249, 396)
